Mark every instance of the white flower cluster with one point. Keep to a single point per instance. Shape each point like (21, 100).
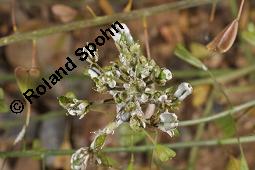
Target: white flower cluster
(73, 106)
(135, 82)
(132, 80)
(79, 159)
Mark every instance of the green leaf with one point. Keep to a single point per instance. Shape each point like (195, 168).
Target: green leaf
(3, 106)
(164, 153)
(244, 165)
(249, 37)
(184, 54)
(106, 161)
(64, 101)
(70, 94)
(131, 163)
(227, 125)
(99, 141)
(68, 99)
(199, 50)
(134, 123)
(125, 134)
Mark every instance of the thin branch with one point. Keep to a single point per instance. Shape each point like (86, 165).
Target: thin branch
(213, 10)
(144, 148)
(53, 114)
(240, 10)
(103, 20)
(226, 77)
(219, 115)
(13, 15)
(34, 54)
(146, 37)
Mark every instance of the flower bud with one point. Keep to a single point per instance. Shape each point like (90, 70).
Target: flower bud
(168, 74)
(168, 122)
(125, 31)
(165, 75)
(111, 83)
(144, 98)
(80, 159)
(183, 90)
(162, 98)
(93, 72)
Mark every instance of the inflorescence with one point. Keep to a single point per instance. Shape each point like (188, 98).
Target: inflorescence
(135, 83)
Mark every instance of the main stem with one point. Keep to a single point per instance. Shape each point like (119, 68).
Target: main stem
(207, 143)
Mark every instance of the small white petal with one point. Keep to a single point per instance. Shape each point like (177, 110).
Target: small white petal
(80, 159)
(112, 83)
(183, 90)
(168, 117)
(168, 74)
(126, 86)
(170, 133)
(147, 90)
(125, 31)
(93, 73)
(118, 73)
(162, 98)
(144, 98)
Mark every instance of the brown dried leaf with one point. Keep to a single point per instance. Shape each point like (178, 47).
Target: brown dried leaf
(63, 12)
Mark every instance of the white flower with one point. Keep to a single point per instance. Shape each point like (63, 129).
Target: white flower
(117, 73)
(162, 98)
(124, 116)
(109, 73)
(168, 117)
(111, 83)
(126, 86)
(109, 129)
(122, 58)
(80, 159)
(148, 90)
(93, 72)
(125, 31)
(168, 122)
(183, 90)
(113, 93)
(78, 108)
(146, 71)
(168, 74)
(144, 98)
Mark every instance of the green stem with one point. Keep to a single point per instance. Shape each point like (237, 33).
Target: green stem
(223, 75)
(102, 20)
(50, 115)
(188, 144)
(17, 122)
(226, 77)
(219, 115)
